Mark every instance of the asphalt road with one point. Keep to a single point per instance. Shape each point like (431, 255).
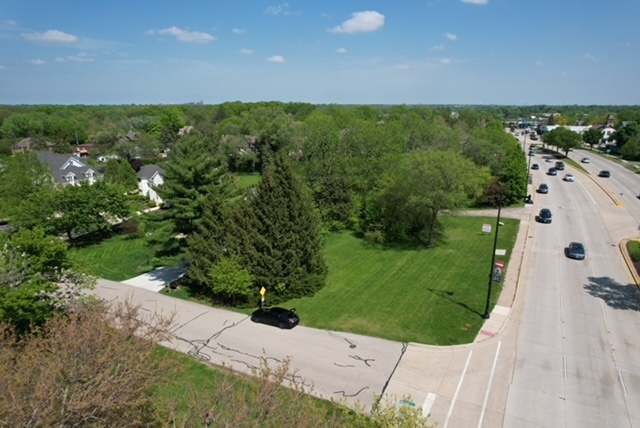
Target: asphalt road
(568, 356)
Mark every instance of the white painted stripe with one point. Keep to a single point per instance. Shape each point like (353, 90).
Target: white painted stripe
(428, 403)
(624, 387)
(603, 313)
(455, 395)
(564, 367)
(486, 396)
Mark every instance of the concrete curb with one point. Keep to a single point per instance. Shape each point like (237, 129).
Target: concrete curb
(627, 259)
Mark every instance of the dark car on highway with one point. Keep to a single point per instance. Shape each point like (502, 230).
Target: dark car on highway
(605, 174)
(560, 166)
(543, 188)
(576, 251)
(552, 171)
(535, 166)
(545, 215)
(279, 317)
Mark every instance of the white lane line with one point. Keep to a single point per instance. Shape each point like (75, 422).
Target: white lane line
(428, 403)
(455, 396)
(486, 396)
(564, 367)
(603, 313)
(624, 387)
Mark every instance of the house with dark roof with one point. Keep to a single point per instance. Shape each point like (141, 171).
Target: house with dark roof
(149, 178)
(68, 169)
(22, 146)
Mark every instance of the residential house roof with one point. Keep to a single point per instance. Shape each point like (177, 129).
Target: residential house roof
(67, 168)
(148, 171)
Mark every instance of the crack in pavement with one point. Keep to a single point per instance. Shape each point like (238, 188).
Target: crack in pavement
(226, 348)
(200, 344)
(343, 365)
(364, 360)
(344, 394)
(179, 326)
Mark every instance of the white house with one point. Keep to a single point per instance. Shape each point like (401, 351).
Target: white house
(149, 178)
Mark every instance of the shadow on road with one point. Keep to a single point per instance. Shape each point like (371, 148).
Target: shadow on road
(614, 294)
(447, 295)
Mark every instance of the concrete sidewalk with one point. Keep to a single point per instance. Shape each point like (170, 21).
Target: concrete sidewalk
(501, 311)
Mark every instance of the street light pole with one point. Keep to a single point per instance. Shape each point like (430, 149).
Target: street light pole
(487, 309)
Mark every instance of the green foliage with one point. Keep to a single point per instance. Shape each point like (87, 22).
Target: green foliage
(119, 172)
(276, 234)
(623, 135)
(592, 137)
(563, 138)
(631, 150)
(21, 176)
(32, 266)
(192, 171)
(418, 188)
(231, 281)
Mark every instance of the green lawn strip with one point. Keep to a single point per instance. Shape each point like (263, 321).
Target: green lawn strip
(196, 383)
(245, 181)
(433, 296)
(117, 258)
(633, 247)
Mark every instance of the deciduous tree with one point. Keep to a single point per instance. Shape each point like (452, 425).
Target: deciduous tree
(563, 138)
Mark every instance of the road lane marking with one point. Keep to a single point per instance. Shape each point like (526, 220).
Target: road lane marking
(455, 395)
(564, 367)
(603, 313)
(428, 403)
(486, 396)
(624, 387)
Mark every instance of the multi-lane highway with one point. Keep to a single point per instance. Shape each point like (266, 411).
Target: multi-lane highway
(568, 354)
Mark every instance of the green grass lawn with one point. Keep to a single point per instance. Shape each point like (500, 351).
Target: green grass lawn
(117, 258)
(401, 293)
(433, 296)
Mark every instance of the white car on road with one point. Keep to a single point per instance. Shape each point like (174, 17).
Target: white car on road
(568, 177)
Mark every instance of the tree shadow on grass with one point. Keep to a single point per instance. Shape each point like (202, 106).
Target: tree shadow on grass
(448, 295)
(614, 294)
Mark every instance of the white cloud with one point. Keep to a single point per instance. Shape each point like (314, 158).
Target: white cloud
(360, 22)
(50, 36)
(2, 67)
(10, 23)
(451, 36)
(239, 31)
(479, 2)
(246, 51)
(402, 67)
(184, 35)
(37, 61)
(591, 57)
(276, 58)
(436, 48)
(446, 61)
(341, 51)
(279, 9)
(81, 57)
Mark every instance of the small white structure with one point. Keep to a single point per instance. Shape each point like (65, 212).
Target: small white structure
(149, 178)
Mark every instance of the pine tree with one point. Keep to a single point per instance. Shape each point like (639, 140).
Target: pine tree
(192, 171)
(277, 235)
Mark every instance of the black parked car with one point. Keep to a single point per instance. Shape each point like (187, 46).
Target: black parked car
(576, 251)
(545, 215)
(279, 317)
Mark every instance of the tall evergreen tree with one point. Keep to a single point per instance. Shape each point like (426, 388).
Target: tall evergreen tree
(192, 171)
(120, 172)
(277, 235)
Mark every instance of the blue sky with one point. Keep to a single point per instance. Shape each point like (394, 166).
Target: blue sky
(320, 51)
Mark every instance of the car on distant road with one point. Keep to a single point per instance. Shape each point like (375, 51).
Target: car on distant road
(604, 173)
(279, 317)
(576, 250)
(560, 166)
(549, 160)
(569, 177)
(585, 160)
(535, 166)
(552, 171)
(544, 216)
(543, 188)
(533, 137)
